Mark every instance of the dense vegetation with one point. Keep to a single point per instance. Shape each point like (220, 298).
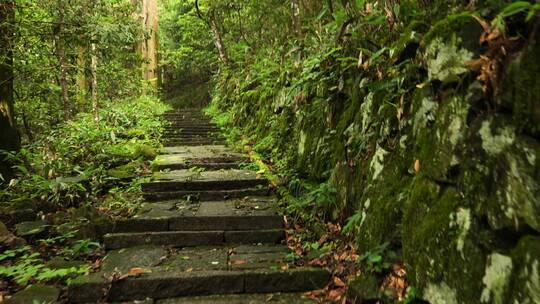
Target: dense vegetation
(410, 125)
(402, 132)
(78, 126)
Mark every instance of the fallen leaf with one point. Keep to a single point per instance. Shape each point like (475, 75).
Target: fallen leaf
(417, 166)
(335, 294)
(137, 270)
(190, 269)
(338, 282)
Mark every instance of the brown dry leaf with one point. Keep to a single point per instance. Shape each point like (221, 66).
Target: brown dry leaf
(238, 262)
(190, 269)
(338, 282)
(335, 294)
(417, 166)
(137, 271)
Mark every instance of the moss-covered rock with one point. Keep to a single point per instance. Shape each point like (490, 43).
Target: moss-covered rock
(519, 91)
(524, 284)
(33, 294)
(442, 244)
(31, 229)
(127, 171)
(501, 174)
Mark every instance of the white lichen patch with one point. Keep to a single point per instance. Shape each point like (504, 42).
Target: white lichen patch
(462, 220)
(364, 211)
(496, 278)
(425, 114)
(531, 156)
(365, 110)
(532, 285)
(377, 162)
(446, 61)
(495, 143)
(302, 143)
(440, 294)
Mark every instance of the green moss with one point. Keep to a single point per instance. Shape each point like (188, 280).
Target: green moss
(440, 146)
(126, 171)
(382, 209)
(440, 244)
(525, 280)
(520, 88)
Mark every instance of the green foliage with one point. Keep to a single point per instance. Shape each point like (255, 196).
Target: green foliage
(378, 259)
(25, 265)
(43, 25)
(68, 166)
(319, 201)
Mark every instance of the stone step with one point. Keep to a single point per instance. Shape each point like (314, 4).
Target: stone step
(188, 132)
(206, 195)
(265, 298)
(192, 129)
(202, 158)
(248, 213)
(196, 150)
(165, 272)
(200, 127)
(187, 119)
(174, 137)
(188, 180)
(192, 142)
(190, 138)
(192, 238)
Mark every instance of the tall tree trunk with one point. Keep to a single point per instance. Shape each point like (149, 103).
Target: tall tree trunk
(61, 54)
(218, 40)
(93, 67)
(149, 47)
(9, 137)
(82, 87)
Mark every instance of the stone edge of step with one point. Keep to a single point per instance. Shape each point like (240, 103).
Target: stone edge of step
(87, 289)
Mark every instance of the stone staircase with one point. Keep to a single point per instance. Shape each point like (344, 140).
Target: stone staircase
(207, 233)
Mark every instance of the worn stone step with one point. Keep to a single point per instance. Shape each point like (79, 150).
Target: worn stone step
(206, 195)
(184, 137)
(188, 180)
(192, 238)
(166, 272)
(202, 129)
(204, 142)
(265, 298)
(191, 138)
(186, 119)
(188, 132)
(196, 150)
(203, 158)
(248, 213)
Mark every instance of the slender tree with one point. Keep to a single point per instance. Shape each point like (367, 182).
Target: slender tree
(9, 137)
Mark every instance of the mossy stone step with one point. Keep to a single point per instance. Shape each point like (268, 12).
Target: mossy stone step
(193, 142)
(250, 213)
(265, 298)
(202, 158)
(190, 137)
(187, 180)
(207, 195)
(192, 238)
(209, 149)
(166, 272)
(187, 132)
